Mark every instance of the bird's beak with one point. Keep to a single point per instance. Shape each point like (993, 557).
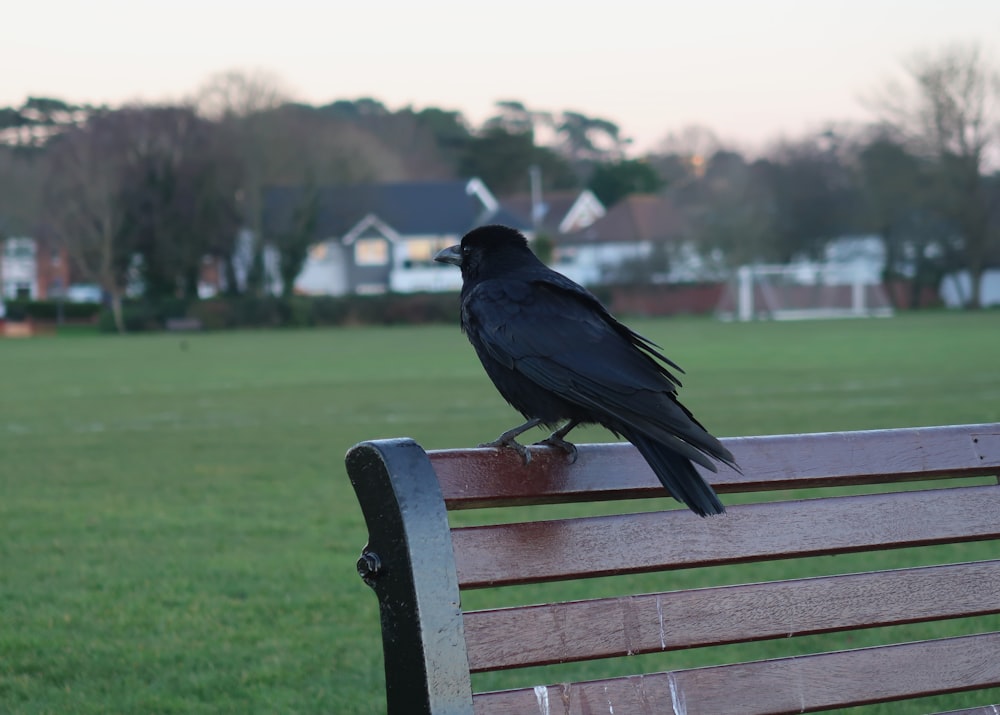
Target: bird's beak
(452, 255)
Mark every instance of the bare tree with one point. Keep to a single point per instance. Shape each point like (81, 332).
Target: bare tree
(178, 191)
(152, 182)
(694, 144)
(237, 99)
(948, 109)
(729, 211)
(412, 136)
(235, 94)
(21, 176)
(83, 213)
(813, 193)
(302, 144)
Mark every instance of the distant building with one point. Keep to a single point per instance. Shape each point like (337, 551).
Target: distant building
(956, 289)
(639, 239)
(31, 269)
(557, 213)
(374, 238)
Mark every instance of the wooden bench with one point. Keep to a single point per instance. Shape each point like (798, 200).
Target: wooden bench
(419, 566)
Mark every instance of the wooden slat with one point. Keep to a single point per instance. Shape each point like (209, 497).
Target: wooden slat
(601, 628)
(486, 477)
(773, 687)
(595, 546)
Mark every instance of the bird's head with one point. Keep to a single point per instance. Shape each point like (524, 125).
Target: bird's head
(487, 250)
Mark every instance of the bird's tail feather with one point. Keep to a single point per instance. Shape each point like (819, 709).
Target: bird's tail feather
(678, 475)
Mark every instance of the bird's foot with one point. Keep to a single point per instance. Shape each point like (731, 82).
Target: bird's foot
(504, 442)
(509, 441)
(554, 440)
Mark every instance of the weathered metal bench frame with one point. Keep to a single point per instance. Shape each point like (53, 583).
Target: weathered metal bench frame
(410, 562)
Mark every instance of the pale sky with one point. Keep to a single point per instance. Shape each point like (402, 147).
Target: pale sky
(749, 70)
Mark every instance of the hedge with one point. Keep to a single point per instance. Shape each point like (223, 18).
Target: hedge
(48, 310)
(223, 313)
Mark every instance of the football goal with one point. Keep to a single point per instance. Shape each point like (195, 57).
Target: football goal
(802, 292)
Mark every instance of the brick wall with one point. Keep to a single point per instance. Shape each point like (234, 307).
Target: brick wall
(690, 299)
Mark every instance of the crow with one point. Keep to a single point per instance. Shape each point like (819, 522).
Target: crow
(556, 355)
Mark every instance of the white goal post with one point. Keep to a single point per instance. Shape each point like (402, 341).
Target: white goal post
(802, 292)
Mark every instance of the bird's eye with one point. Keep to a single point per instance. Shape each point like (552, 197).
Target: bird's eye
(466, 250)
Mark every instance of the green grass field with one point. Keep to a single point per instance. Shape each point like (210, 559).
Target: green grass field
(179, 535)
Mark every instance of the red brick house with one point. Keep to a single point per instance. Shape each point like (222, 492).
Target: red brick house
(32, 269)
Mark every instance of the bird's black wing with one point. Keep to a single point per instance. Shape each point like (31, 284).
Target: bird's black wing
(555, 280)
(555, 336)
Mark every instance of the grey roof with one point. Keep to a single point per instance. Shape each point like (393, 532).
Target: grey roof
(557, 204)
(635, 218)
(410, 208)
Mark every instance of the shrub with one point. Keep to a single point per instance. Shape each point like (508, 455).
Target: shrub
(214, 313)
(327, 310)
(16, 311)
(226, 312)
(137, 317)
(48, 310)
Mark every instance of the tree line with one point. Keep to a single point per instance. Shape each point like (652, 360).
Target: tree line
(151, 190)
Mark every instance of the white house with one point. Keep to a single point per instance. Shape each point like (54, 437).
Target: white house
(374, 238)
(19, 268)
(956, 288)
(636, 235)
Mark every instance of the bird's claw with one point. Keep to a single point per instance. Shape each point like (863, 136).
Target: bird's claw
(510, 444)
(559, 443)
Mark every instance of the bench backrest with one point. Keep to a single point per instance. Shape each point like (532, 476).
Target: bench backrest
(419, 565)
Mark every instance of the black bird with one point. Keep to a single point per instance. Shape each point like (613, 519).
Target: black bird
(555, 353)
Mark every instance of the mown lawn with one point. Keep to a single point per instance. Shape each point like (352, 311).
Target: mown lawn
(179, 535)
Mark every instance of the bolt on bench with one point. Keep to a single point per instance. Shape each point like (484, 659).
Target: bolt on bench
(419, 565)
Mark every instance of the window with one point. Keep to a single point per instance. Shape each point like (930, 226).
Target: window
(420, 252)
(371, 252)
(19, 248)
(318, 252)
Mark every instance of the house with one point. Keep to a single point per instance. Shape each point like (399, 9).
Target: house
(636, 240)
(558, 212)
(31, 269)
(956, 289)
(374, 238)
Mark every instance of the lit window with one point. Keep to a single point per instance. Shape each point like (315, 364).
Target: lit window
(371, 252)
(421, 252)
